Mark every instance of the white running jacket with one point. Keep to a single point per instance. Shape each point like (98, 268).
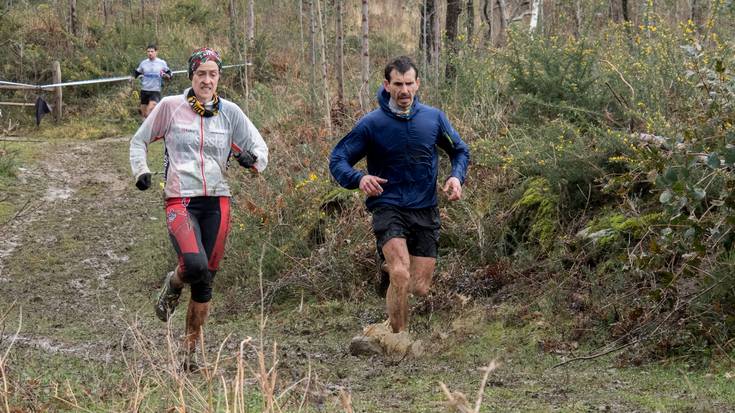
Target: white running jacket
(197, 147)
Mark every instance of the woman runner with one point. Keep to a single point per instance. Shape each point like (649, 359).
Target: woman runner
(200, 131)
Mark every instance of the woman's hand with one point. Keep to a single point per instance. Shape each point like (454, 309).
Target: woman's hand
(143, 182)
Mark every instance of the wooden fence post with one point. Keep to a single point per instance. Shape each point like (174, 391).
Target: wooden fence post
(56, 77)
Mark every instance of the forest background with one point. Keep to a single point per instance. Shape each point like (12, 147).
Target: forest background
(597, 224)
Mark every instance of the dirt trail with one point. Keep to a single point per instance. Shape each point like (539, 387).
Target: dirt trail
(62, 251)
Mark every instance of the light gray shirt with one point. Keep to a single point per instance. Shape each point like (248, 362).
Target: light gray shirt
(197, 147)
(152, 70)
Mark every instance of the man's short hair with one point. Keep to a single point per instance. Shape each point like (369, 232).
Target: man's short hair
(152, 46)
(401, 64)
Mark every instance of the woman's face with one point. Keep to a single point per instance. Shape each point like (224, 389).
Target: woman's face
(204, 81)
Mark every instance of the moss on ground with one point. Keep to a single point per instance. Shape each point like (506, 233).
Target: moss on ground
(607, 229)
(540, 202)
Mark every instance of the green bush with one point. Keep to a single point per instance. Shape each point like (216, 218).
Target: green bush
(7, 162)
(555, 78)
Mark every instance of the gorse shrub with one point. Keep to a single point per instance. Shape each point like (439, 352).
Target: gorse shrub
(555, 77)
(674, 220)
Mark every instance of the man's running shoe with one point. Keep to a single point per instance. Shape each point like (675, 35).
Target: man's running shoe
(383, 282)
(168, 299)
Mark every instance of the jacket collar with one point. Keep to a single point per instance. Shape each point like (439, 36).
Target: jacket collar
(384, 101)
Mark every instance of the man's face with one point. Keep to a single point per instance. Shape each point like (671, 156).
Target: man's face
(402, 87)
(151, 52)
(204, 80)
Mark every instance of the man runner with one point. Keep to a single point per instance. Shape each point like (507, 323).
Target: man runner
(151, 71)
(400, 141)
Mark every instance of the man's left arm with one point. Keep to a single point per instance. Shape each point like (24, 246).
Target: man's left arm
(459, 155)
(166, 71)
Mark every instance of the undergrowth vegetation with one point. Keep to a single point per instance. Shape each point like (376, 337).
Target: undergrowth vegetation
(600, 191)
(615, 160)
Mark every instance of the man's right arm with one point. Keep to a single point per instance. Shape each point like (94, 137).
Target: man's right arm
(347, 153)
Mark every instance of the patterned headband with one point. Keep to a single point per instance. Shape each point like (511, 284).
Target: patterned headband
(202, 55)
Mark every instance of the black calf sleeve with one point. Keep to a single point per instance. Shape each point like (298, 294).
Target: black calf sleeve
(202, 292)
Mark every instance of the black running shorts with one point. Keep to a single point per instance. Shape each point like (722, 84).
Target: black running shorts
(147, 95)
(420, 228)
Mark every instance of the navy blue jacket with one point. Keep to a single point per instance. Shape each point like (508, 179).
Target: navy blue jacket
(401, 149)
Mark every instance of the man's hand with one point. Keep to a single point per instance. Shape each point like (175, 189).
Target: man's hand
(453, 189)
(144, 181)
(370, 185)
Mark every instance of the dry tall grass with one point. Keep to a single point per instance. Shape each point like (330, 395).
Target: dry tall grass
(5, 393)
(456, 401)
(243, 381)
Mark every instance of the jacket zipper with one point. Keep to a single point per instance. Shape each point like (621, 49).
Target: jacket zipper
(201, 151)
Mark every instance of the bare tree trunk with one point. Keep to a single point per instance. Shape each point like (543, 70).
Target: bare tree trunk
(105, 11)
(470, 21)
(246, 75)
(426, 40)
(437, 45)
(251, 39)
(58, 94)
(73, 21)
(502, 8)
(157, 17)
(487, 17)
(312, 42)
(235, 43)
(130, 12)
(365, 57)
(325, 82)
(251, 24)
(454, 8)
(301, 29)
(232, 14)
(534, 15)
(615, 11)
(423, 36)
(142, 13)
(577, 18)
(340, 55)
(624, 6)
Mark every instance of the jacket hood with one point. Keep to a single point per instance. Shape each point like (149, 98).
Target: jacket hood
(384, 101)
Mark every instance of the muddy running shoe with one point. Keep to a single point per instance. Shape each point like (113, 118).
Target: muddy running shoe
(168, 299)
(383, 281)
(190, 363)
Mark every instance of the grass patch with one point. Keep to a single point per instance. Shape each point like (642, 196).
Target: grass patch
(82, 129)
